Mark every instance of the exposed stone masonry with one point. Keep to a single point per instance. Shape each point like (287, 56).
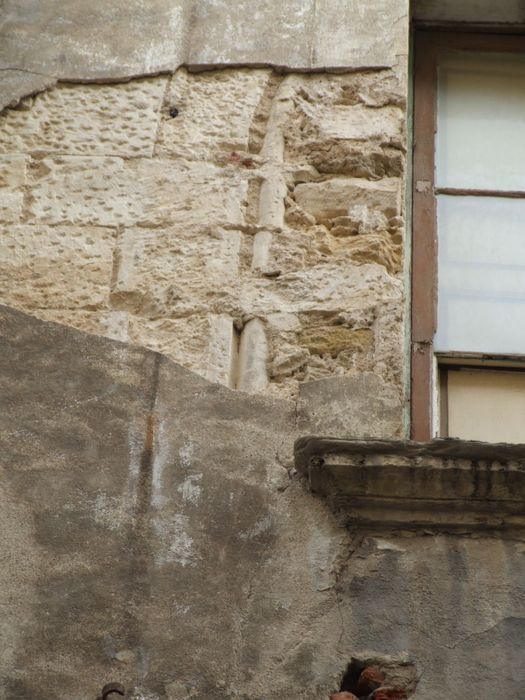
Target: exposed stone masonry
(255, 238)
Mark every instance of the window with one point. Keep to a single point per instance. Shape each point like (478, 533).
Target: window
(468, 271)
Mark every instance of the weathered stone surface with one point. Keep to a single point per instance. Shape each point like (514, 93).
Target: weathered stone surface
(152, 536)
(362, 123)
(129, 40)
(39, 262)
(205, 224)
(344, 406)
(109, 191)
(111, 324)
(333, 198)
(331, 340)
(176, 272)
(86, 120)
(215, 113)
(13, 170)
(201, 206)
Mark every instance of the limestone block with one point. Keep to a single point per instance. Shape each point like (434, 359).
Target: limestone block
(61, 267)
(177, 272)
(331, 340)
(86, 119)
(350, 124)
(111, 324)
(332, 198)
(12, 180)
(253, 358)
(344, 406)
(223, 348)
(182, 339)
(330, 288)
(109, 191)
(215, 112)
(361, 123)
(84, 190)
(292, 250)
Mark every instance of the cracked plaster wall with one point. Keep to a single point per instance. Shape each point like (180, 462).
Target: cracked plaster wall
(155, 533)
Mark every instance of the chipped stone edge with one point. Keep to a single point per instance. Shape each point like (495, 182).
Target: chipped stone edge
(447, 485)
(39, 82)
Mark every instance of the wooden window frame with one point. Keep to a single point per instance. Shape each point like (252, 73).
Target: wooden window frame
(428, 46)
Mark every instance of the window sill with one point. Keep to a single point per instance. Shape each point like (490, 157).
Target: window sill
(447, 484)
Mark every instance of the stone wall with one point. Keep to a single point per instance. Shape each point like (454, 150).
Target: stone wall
(221, 185)
(247, 224)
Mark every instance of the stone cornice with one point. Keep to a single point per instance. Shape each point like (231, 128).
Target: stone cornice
(444, 484)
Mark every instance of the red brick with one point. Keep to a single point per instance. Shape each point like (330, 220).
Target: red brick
(389, 694)
(370, 679)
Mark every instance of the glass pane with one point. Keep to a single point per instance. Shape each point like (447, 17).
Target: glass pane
(485, 405)
(481, 275)
(481, 121)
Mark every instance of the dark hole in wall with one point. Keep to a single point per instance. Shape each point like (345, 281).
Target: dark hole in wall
(378, 677)
(351, 676)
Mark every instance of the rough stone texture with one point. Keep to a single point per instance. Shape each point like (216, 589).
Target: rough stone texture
(183, 213)
(13, 173)
(203, 128)
(249, 224)
(103, 121)
(153, 536)
(43, 260)
(111, 191)
(70, 41)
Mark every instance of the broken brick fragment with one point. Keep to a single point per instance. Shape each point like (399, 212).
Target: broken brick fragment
(370, 679)
(389, 694)
(343, 696)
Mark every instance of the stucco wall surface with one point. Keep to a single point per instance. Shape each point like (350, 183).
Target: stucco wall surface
(42, 42)
(155, 533)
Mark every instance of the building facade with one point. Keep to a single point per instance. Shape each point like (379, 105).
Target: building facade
(206, 257)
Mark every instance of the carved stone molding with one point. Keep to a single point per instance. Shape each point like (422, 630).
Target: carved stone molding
(442, 484)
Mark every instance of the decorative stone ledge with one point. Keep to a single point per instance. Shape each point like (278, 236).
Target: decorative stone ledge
(443, 484)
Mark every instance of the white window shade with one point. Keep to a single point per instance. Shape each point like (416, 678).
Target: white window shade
(481, 275)
(481, 121)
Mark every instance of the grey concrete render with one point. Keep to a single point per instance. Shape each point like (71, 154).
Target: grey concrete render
(77, 40)
(155, 534)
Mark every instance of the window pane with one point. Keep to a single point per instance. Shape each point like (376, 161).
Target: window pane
(481, 121)
(481, 275)
(485, 405)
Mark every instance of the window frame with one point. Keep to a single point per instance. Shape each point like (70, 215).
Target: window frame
(427, 47)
